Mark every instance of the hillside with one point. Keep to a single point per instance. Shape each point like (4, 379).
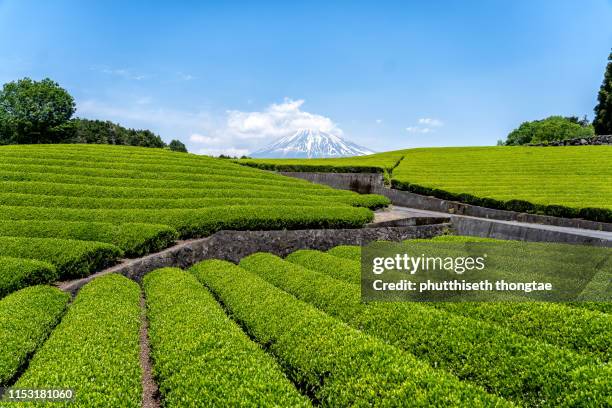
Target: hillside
(569, 181)
(69, 210)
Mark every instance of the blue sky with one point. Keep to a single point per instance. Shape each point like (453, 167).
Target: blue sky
(232, 76)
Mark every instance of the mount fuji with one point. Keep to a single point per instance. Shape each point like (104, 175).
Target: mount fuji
(310, 143)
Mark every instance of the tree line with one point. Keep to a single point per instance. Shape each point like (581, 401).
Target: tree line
(33, 112)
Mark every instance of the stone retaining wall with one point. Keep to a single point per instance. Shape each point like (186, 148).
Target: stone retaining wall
(580, 141)
(235, 245)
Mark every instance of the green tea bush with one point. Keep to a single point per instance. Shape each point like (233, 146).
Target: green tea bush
(509, 365)
(373, 163)
(584, 331)
(570, 181)
(201, 357)
(202, 222)
(71, 258)
(335, 364)
(133, 239)
(95, 349)
(17, 273)
(371, 201)
(26, 319)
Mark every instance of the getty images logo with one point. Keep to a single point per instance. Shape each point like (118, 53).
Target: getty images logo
(412, 264)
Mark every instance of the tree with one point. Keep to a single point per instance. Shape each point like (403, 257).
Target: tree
(177, 146)
(550, 129)
(107, 132)
(35, 111)
(603, 110)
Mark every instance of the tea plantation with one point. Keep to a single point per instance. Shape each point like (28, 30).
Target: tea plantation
(69, 210)
(569, 181)
(294, 332)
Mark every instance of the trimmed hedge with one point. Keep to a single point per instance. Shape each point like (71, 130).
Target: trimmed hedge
(133, 239)
(509, 365)
(26, 319)
(201, 357)
(335, 364)
(571, 181)
(71, 258)
(216, 191)
(203, 222)
(584, 331)
(554, 210)
(374, 163)
(371, 201)
(17, 273)
(95, 349)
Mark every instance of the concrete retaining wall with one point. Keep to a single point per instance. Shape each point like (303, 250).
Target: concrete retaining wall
(235, 245)
(373, 183)
(495, 229)
(363, 183)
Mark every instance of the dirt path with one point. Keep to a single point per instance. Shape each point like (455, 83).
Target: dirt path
(150, 392)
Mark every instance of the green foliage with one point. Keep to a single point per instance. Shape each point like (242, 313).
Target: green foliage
(374, 163)
(201, 357)
(603, 111)
(51, 201)
(35, 110)
(107, 132)
(71, 258)
(133, 239)
(110, 194)
(26, 319)
(550, 129)
(95, 349)
(571, 181)
(16, 273)
(512, 366)
(197, 223)
(335, 364)
(177, 146)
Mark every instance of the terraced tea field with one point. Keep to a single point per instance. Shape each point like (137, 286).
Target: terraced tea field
(69, 210)
(294, 332)
(570, 181)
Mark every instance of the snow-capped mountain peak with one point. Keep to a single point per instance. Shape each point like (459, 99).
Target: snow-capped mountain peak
(310, 143)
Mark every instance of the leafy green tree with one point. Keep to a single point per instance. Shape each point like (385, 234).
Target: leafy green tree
(550, 129)
(177, 146)
(107, 132)
(603, 110)
(34, 111)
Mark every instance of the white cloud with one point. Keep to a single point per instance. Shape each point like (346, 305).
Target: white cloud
(124, 73)
(231, 151)
(419, 129)
(231, 132)
(276, 121)
(379, 121)
(425, 125)
(198, 138)
(431, 122)
(185, 77)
